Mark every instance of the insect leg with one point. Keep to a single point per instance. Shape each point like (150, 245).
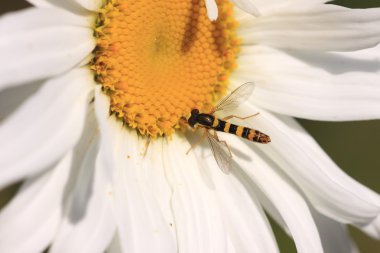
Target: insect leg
(204, 135)
(145, 148)
(242, 118)
(215, 135)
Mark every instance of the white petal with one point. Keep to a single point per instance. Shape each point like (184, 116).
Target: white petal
(136, 207)
(373, 228)
(212, 9)
(36, 18)
(199, 223)
(45, 127)
(40, 3)
(36, 51)
(92, 5)
(329, 189)
(334, 235)
(115, 246)
(270, 208)
(263, 7)
(248, 6)
(70, 5)
(323, 86)
(246, 223)
(88, 224)
(313, 26)
(11, 99)
(89, 135)
(278, 189)
(28, 223)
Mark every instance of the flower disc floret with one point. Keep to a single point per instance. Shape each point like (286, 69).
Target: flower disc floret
(159, 59)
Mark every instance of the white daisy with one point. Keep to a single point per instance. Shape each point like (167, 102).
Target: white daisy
(88, 188)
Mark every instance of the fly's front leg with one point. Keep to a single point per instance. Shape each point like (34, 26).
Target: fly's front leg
(242, 118)
(215, 135)
(199, 141)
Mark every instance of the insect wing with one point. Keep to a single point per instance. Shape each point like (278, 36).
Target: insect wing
(221, 153)
(235, 98)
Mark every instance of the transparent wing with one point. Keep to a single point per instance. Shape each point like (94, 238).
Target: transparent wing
(235, 98)
(221, 153)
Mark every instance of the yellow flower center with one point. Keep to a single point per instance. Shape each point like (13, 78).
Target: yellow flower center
(157, 60)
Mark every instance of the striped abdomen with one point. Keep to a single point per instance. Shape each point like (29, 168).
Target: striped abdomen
(244, 132)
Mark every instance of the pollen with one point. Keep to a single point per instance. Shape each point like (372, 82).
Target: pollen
(157, 60)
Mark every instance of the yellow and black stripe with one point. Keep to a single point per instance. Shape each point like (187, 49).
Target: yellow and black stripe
(244, 132)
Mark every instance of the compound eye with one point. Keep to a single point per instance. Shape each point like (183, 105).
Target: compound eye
(194, 111)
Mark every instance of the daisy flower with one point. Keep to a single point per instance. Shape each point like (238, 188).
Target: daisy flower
(85, 84)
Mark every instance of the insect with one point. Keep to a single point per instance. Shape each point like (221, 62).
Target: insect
(209, 122)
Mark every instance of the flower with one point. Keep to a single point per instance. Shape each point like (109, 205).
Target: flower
(88, 188)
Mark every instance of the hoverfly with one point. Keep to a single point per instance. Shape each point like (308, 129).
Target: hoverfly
(209, 122)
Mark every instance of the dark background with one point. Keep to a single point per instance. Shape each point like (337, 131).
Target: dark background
(354, 146)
